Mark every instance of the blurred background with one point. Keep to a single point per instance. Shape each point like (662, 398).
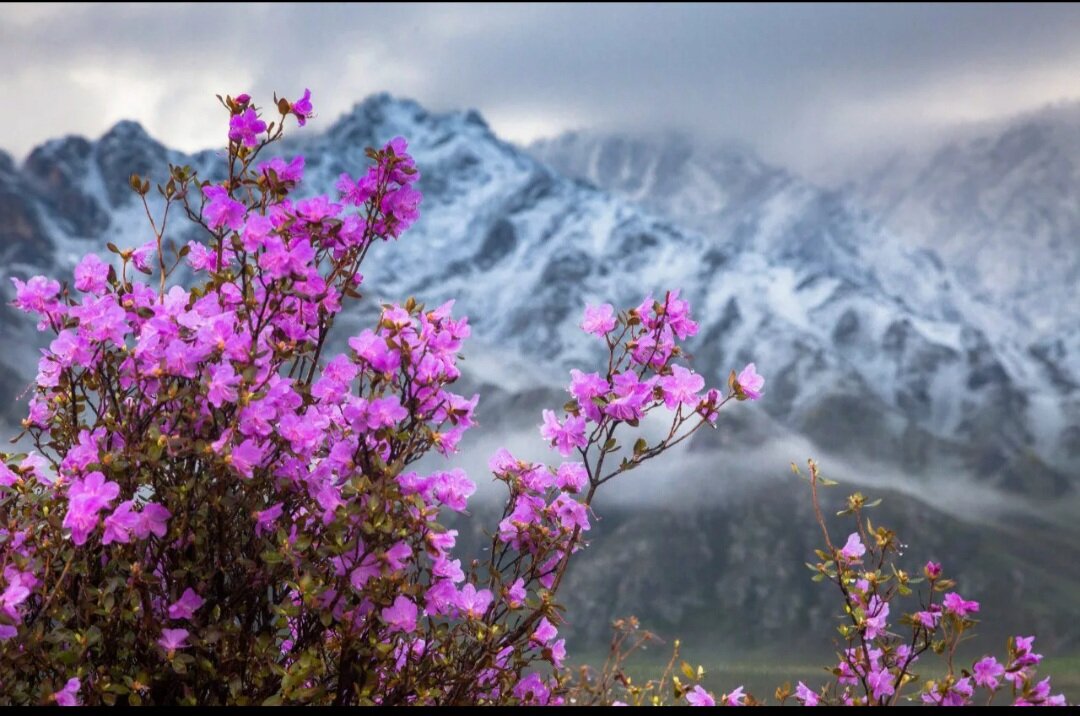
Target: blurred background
(876, 204)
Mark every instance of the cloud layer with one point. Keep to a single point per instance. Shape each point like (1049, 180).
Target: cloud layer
(808, 85)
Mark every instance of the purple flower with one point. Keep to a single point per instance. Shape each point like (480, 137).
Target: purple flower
(987, 671)
(401, 616)
(186, 605)
(173, 639)
(516, 594)
(152, 520)
(599, 320)
(959, 694)
(223, 382)
(244, 127)
(880, 683)
(681, 387)
(877, 612)
(698, 696)
(532, 690)
(564, 436)
(929, 619)
(302, 108)
(38, 295)
(805, 696)
(264, 520)
(735, 698)
(141, 256)
(932, 570)
(91, 275)
(572, 477)
(959, 606)
(572, 514)
(120, 524)
(586, 386)
(86, 498)
(247, 456)
(631, 396)
(69, 695)
(453, 489)
(749, 384)
(545, 632)
(221, 209)
(473, 602)
(293, 171)
(374, 351)
(854, 549)
(15, 594)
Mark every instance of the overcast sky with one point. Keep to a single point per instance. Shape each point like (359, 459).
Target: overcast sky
(807, 85)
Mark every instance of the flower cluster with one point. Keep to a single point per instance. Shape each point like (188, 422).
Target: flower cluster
(221, 509)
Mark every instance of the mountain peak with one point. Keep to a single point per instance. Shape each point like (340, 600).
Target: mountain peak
(382, 113)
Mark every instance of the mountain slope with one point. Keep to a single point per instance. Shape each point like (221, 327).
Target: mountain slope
(858, 337)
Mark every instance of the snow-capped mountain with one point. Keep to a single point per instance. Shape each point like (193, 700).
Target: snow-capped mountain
(1001, 203)
(874, 353)
(871, 350)
(885, 320)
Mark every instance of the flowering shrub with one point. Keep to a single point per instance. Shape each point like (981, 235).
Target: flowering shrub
(219, 512)
(875, 664)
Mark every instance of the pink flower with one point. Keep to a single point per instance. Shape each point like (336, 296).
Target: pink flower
(516, 594)
(929, 619)
(749, 384)
(853, 550)
(142, 255)
(86, 498)
(244, 127)
(698, 696)
(681, 387)
(735, 698)
(532, 690)
(222, 210)
(564, 436)
(120, 524)
(37, 295)
(805, 696)
(572, 477)
(571, 513)
(987, 671)
(91, 275)
(473, 602)
(248, 456)
(69, 695)
(302, 108)
(880, 683)
(222, 387)
(292, 172)
(959, 606)
(599, 320)
(545, 632)
(186, 605)
(877, 612)
(264, 520)
(401, 616)
(453, 489)
(932, 570)
(173, 639)
(631, 396)
(586, 386)
(152, 520)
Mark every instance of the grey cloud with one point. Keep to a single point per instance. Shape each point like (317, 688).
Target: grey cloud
(803, 83)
